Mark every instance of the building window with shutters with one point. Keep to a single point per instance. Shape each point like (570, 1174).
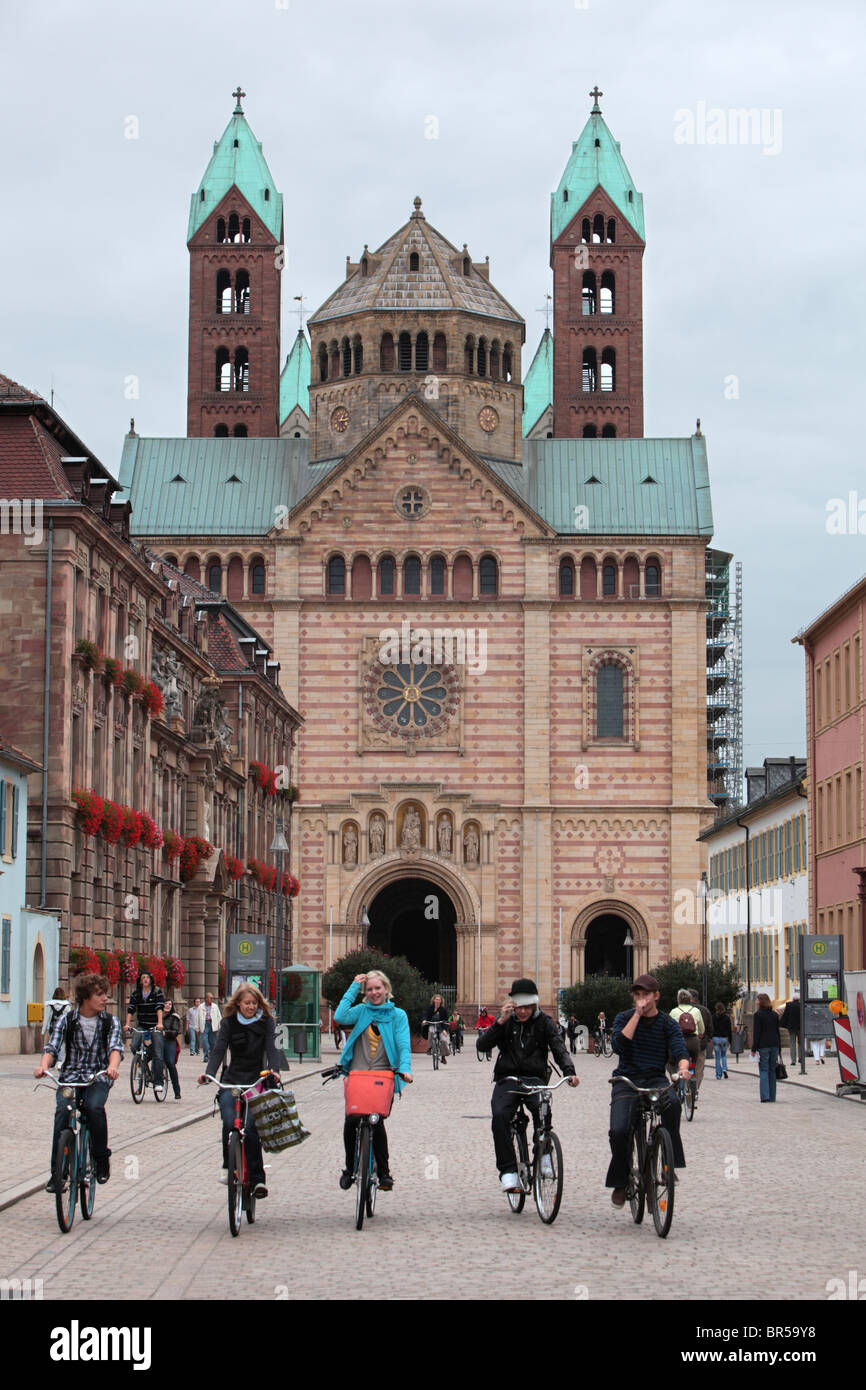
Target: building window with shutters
(6, 958)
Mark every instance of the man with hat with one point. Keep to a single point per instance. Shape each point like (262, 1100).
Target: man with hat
(642, 1039)
(524, 1036)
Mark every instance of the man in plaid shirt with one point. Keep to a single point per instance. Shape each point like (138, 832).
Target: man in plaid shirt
(93, 1042)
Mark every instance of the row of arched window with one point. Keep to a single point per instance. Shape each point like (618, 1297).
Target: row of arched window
(481, 357)
(411, 576)
(243, 578)
(593, 380)
(591, 432)
(222, 431)
(595, 298)
(594, 231)
(611, 579)
(232, 375)
(233, 298)
(236, 230)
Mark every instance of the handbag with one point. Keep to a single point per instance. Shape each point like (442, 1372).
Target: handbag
(781, 1071)
(277, 1121)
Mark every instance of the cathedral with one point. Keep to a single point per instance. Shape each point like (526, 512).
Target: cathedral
(486, 593)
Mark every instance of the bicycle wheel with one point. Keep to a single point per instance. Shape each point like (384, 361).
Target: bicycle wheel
(160, 1092)
(548, 1186)
(607, 1045)
(636, 1177)
(137, 1078)
(86, 1173)
(250, 1206)
(373, 1183)
(362, 1174)
(517, 1199)
(688, 1099)
(434, 1053)
(661, 1181)
(235, 1182)
(63, 1173)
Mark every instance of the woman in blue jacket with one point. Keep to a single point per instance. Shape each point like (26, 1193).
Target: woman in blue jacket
(379, 1040)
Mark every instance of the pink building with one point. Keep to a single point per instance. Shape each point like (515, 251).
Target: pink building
(835, 746)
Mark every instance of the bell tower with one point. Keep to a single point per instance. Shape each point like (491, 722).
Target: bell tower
(235, 240)
(596, 252)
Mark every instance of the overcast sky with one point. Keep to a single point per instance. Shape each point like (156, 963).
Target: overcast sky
(753, 274)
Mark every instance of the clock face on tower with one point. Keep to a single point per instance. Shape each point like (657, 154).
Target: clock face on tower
(340, 419)
(488, 419)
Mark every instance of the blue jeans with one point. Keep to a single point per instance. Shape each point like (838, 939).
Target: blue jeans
(252, 1143)
(95, 1097)
(157, 1043)
(207, 1037)
(721, 1046)
(622, 1104)
(767, 1059)
(192, 1042)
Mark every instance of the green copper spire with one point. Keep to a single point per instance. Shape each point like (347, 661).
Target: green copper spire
(237, 161)
(538, 383)
(295, 378)
(595, 159)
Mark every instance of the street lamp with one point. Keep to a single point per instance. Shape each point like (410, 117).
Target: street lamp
(279, 846)
(629, 945)
(365, 923)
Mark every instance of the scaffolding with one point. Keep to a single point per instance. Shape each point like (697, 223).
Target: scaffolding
(724, 681)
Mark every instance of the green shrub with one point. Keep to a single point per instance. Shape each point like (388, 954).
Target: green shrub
(411, 991)
(684, 972)
(612, 993)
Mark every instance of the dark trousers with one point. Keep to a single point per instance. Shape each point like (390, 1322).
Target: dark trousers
(380, 1144)
(622, 1104)
(252, 1142)
(157, 1054)
(503, 1106)
(171, 1051)
(95, 1097)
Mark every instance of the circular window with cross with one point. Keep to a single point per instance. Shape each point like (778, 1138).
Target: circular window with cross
(411, 502)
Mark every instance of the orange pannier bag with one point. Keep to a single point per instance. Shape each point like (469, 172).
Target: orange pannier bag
(369, 1093)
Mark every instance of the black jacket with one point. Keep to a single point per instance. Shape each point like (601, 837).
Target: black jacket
(765, 1029)
(253, 1047)
(791, 1016)
(171, 1026)
(523, 1047)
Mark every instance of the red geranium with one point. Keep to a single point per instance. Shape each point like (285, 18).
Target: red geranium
(264, 778)
(151, 698)
(112, 822)
(174, 971)
(132, 827)
(90, 810)
(109, 966)
(83, 961)
(195, 849)
(132, 682)
(235, 867)
(112, 669)
(172, 845)
(262, 873)
(155, 965)
(291, 885)
(151, 835)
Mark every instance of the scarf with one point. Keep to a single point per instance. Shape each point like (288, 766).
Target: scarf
(385, 1018)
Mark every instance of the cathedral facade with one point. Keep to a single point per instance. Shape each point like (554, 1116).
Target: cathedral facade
(487, 595)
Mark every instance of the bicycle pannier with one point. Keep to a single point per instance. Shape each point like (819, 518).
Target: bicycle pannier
(369, 1093)
(277, 1121)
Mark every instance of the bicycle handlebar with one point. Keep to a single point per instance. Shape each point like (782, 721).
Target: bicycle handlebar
(60, 1084)
(237, 1085)
(642, 1090)
(534, 1090)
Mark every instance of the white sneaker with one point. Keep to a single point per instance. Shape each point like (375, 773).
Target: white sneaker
(510, 1182)
(547, 1166)
(224, 1177)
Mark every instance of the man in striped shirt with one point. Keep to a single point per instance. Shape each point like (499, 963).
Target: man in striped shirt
(643, 1037)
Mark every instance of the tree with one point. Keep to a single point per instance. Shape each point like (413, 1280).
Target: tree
(610, 993)
(411, 991)
(684, 972)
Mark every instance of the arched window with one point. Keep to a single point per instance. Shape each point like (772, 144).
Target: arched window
(467, 265)
(323, 362)
(469, 356)
(608, 287)
(589, 374)
(386, 575)
(440, 353)
(215, 575)
(631, 577)
(507, 362)
(242, 292)
(235, 578)
(362, 577)
(404, 352)
(240, 431)
(346, 354)
(598, 229)
(566, 577)
(223, 370)
(588, 302)
(334, 354)
(234, 227)
(242, 369)
(610, 712)
(608, 432)
(221, 431)
(357, 354)
(414, 260)
(422, 352)
(462, 578)
(481, 359)
(221, 229)
(590, 431)
(386, 353)
(437, 575)
(337, 575)
(257, 575)
(495, 360)
(608, 369)
(245, 229)
(364, 265)
(585, 231)
(653, 580)
(611, 230)
(588, 577)
(411, 575)
(170, 560)
(608, 579)
(224, 292)
(192, 567)
(488, 574)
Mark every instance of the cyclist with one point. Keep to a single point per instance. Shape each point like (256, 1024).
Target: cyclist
(455, 1025)
(248, 1032)
(691, 1022)
(93, 1042)
(379, 1039)
(642, 1038)
(485, 1019)
(524, 1035)
(437, 1014)
(600, 1030)
(148, 1003)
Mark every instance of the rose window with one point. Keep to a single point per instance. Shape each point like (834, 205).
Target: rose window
(411, 699)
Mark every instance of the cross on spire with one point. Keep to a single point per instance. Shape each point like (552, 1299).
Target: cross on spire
(546, 311)
(595, 94)
(239, 110)
(299, 300)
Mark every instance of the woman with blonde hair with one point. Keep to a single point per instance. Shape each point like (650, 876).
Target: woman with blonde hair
(248, 1032)
(379, 1039)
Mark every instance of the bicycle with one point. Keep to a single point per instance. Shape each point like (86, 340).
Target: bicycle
(360, 1088)
(141, 1072)
(651, 1158)
(543, 1176)
(602, 1042)
(456, 1040)
(434, 1042)
(73, 1166)
(688, 1092)
(479, 1051)
(241, 1195)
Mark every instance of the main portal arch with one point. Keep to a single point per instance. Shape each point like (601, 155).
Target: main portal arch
(598, 939)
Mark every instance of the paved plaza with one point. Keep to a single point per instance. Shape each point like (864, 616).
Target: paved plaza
(771, 1200)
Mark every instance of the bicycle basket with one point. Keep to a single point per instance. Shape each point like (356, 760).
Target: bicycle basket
(369, 1093)
(277, 1121)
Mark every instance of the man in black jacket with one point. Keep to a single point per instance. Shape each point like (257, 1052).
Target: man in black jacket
(791, 1020)
(524, 1036)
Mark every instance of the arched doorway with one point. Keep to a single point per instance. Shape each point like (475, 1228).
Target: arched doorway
(414, 917)
(37, 983)
(605, 951)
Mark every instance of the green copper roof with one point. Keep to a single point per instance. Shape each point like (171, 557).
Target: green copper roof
(295, 378)
(237, 162)
(538, 383)
(595, 159)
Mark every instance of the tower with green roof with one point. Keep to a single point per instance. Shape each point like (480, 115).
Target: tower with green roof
(596, 252)
(235, 239)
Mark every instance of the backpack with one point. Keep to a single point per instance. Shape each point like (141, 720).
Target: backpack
(686, 1020)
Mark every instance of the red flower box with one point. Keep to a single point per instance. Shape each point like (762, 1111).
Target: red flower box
(131, 831)
(264, 778)
(174, 971)
(151, 698)
(90, 810)
(112, 822)
(172, 845)
(235, 868)
(151, 835)
(83, 961)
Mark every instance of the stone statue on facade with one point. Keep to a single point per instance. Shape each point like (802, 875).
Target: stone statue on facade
(377, 836)
(470, 845)
(410, 840)
(350, 848)
(445, 835)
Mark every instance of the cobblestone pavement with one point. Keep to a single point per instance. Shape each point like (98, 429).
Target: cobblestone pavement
(778, 1189)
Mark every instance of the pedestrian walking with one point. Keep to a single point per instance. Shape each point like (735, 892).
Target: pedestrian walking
(791, 1020)
(171, 1023)
(706, 1036)
(53, 1010)
(192, 1026)
(819, 1047)
(209, 1019)
(722, 1036)
(571, 1030)
(691, 1024)
(767, 1045)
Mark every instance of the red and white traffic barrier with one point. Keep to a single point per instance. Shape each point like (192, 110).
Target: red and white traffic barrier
(845, 1048)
